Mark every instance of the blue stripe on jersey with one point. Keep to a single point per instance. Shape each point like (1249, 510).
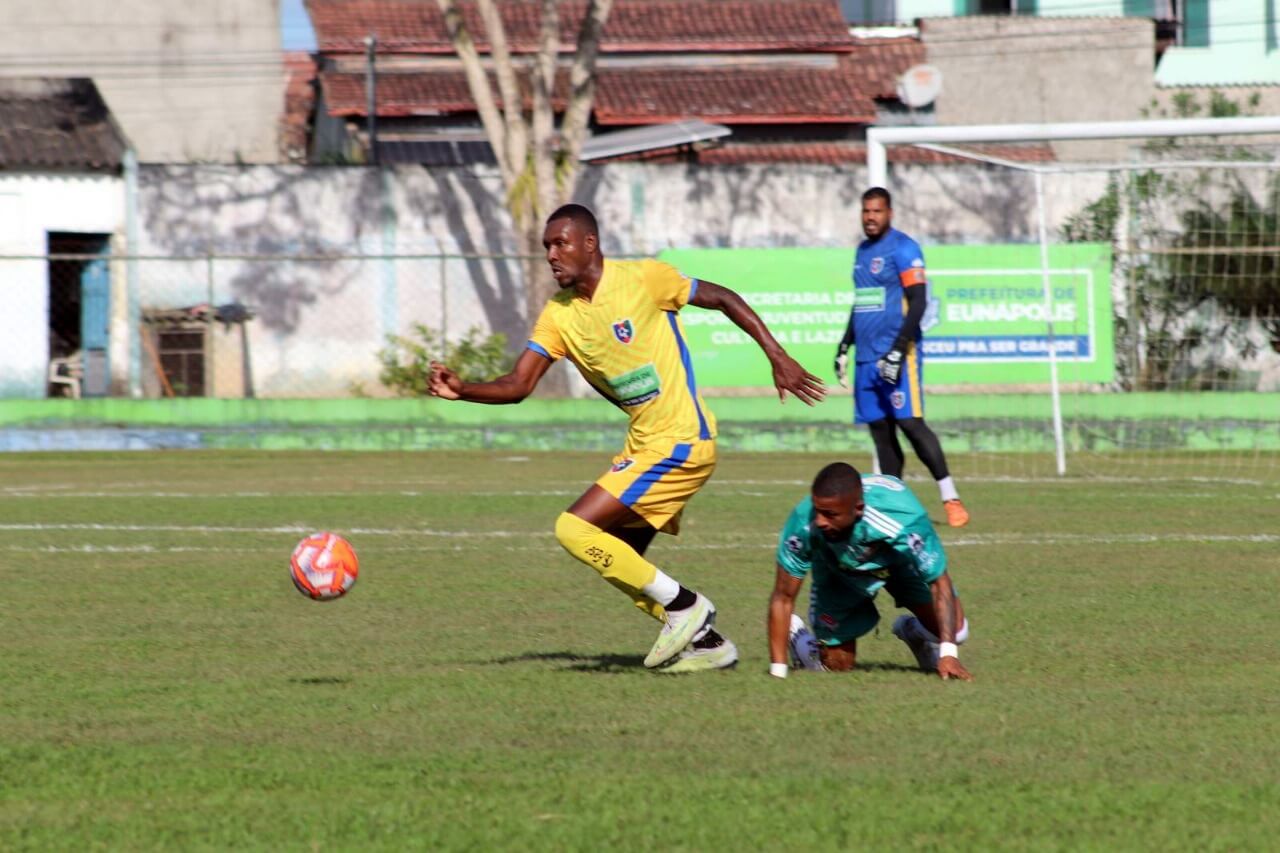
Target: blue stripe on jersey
(540, 350)
(704, 432)
(693, 288)
(679, 454)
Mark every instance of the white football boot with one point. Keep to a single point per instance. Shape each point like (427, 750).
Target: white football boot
(804, 646)
(680, 629)
(908, 629)
(694, 659)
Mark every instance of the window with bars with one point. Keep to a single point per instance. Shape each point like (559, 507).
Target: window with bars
(181, 352)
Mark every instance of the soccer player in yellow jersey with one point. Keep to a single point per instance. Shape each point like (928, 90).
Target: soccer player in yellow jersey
(617, 322)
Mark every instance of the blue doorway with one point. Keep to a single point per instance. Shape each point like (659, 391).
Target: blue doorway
(79, 314)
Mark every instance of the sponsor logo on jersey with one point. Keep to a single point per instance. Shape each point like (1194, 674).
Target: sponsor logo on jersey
(897, 399)
(638, 386)
(622, 465)
(794, 545)
(868, 299)
(624, 331)
(877, 264)
(828, 620)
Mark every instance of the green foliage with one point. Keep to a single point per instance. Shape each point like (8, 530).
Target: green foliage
(1199, 257)
(406, 361)
(1233, 254)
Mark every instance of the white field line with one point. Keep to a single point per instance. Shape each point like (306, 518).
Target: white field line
(542, 540)
(551, 488)
(450, 488)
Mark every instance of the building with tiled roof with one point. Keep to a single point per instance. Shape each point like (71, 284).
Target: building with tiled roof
(57, 124)
(772, 71)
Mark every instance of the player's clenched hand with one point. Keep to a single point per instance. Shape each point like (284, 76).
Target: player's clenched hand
(788, 375)
(950, 667)
(444, 383)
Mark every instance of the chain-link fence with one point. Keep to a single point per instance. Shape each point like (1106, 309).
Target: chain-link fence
(93, 324)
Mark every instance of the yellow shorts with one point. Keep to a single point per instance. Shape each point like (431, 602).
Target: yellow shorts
(657, 481)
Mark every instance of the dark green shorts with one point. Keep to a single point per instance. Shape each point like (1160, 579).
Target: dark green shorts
(839, 613)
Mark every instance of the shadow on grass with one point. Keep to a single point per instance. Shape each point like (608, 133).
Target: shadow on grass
(321, 679)
(577, 662)
(892, 667)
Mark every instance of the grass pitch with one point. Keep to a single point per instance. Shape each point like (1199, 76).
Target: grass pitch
(163, 686)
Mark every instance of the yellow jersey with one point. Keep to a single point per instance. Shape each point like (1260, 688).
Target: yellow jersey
(627, 342)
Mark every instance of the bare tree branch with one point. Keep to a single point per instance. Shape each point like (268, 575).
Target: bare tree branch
(582, 92)
(478, 82)
(544, 80)
(517, 137)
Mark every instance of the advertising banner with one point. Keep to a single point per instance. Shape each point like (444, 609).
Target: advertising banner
(987, 321)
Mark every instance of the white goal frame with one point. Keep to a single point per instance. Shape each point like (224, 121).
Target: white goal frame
(937, 138)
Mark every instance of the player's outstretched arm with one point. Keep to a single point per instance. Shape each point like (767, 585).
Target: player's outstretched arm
(509, 388)
(788, 375)
(781, 605)
(944, 611)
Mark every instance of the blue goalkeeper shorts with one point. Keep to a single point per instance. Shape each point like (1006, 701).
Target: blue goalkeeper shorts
(874, 399)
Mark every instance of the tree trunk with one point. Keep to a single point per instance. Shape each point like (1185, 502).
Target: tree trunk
(539, 167)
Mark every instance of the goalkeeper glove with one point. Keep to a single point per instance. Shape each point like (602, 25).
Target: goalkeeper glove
(842, 365)
(890, 366)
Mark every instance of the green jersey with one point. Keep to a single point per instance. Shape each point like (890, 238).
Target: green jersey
(893, 543)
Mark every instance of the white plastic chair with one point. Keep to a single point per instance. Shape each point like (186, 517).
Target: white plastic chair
(67, 371)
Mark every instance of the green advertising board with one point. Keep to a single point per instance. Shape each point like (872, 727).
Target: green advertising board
(986, 322)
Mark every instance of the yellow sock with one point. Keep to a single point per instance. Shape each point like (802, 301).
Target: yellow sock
(615, 560)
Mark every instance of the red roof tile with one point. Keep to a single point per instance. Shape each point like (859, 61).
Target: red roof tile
(422, 93)
(416, 26)
(878, 63)
(299, 101)
(749, 95)
(841, 153)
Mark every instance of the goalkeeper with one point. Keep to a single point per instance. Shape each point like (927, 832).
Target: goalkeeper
(889, 299)
(858, 535)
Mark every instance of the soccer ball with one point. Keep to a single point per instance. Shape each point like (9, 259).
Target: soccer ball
(324, 566)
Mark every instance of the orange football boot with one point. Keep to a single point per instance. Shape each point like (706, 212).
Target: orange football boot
(957, 515)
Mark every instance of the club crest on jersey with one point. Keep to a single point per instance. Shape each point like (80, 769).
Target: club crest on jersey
(622, 465)
(916, 543)
(877, 264)
(897, 399)
(624, 331)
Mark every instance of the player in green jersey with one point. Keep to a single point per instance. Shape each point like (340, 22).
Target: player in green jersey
(856, 535)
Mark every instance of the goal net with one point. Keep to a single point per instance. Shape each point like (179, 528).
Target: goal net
(1124, 321)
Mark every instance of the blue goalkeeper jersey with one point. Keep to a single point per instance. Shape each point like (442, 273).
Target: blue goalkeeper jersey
(882, 269)
(894, 538)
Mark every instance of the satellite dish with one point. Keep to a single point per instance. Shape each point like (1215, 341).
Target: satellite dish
(919, 85)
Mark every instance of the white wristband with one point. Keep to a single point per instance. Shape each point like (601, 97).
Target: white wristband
(778, 670)
(947, 650)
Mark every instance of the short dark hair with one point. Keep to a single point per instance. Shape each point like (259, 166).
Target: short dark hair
(879, 192)
(579, 214)
(838, 478)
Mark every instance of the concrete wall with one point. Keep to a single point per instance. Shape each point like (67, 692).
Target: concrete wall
(1004, 69)
(321, 322)
(186, 81)
(30, 207)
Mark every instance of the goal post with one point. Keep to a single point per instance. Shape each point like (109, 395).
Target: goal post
(1172, 222)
